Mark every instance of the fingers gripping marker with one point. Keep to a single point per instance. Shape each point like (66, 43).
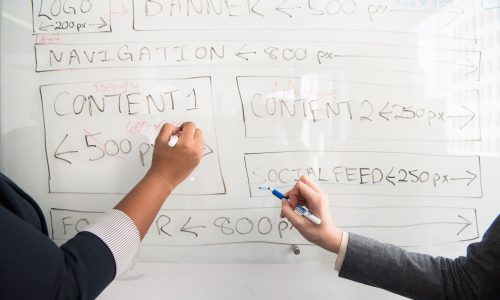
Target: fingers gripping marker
(173, 141)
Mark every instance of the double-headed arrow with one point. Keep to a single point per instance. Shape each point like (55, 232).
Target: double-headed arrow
(43, 26)
(461, 221)
(469, 116)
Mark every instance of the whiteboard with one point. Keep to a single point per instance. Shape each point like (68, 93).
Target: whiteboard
(391, 106)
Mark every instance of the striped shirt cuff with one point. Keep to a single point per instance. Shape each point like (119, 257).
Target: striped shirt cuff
(121, 235)
(342, 250)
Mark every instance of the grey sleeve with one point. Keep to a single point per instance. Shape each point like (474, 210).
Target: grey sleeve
(421, 276)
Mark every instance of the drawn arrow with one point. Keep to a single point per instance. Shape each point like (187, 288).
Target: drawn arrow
(486, 6)
(383, 112)
(284, 10)
(58, 154)
(240, 53)
(471, 178)
(207, 150)
(472, 67)
(458, 12)
(121, 12)
(187, 229)
(466, 223)
(44, 27)
(101, 25)
(470, 116)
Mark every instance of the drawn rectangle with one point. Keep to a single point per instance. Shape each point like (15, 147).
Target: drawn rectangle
(367, 173)
(312, 107)
(71, 16)
(400, 225)
(431, 17)
(340, 55)
(99, 136)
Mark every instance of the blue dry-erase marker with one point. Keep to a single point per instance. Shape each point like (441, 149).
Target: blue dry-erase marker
(300, 210)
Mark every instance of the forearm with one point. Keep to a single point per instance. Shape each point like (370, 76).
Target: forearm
(123, 228)
(33, 267)
(391, 268)
(144, 201)
(413, 275)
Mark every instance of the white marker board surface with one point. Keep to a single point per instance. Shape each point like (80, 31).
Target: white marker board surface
(392, 106)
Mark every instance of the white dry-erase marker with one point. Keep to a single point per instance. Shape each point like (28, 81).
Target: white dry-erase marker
(173, 140)
(299, 209)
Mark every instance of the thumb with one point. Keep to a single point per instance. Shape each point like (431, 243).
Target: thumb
(165, 133)
(288, 212)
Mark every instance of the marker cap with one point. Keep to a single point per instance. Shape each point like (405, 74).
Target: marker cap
(173, 140)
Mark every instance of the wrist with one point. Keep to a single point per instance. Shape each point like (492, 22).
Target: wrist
(333, 242)
(164, 183)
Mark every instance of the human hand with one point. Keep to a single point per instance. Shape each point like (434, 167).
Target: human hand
(172, 165)
(307, 193)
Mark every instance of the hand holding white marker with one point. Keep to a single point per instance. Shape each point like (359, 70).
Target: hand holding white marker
(188, 145)
(173, 140)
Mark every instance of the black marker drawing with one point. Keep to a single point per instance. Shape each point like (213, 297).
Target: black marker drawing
(95, 129)
(71, 16)
(406, 226)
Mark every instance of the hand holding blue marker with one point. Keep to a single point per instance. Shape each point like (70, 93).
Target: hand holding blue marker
(299, 209)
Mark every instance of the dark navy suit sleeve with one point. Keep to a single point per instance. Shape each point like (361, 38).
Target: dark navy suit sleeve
(33, 267)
